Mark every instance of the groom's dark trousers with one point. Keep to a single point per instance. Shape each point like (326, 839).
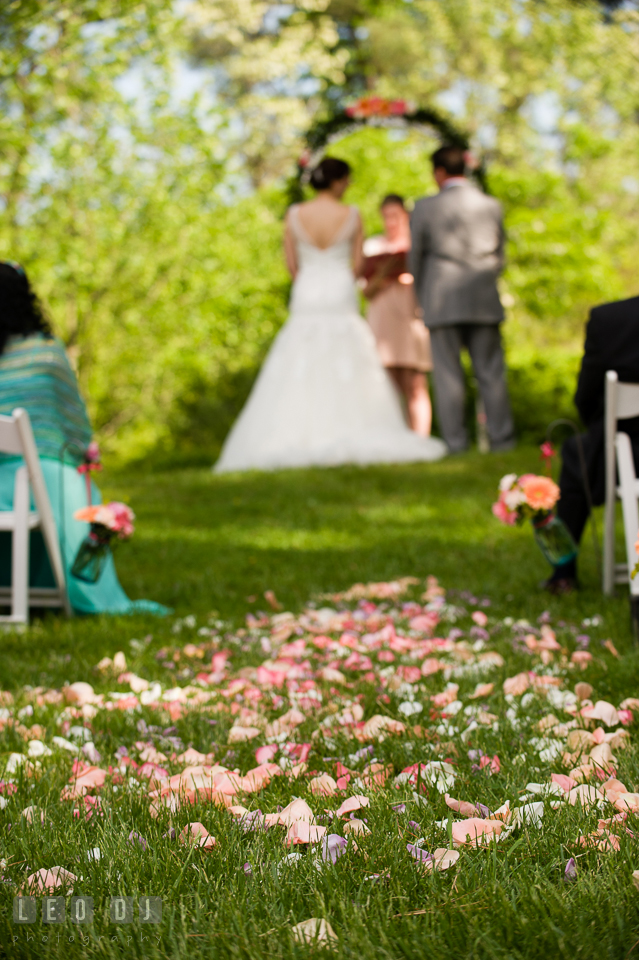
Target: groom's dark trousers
(456, 258)
(483, 342)
(612, 343)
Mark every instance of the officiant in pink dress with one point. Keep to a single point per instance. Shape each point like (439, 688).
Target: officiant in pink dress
(403, 342)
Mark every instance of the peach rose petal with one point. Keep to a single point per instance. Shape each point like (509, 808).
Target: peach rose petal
(482, 690)
(566, 783)
(516, 685)
(90, 779)
(303, 832)
(627, 801)
(356, 827)
(461, 806)
(323, 786)
(603, 711)
(197, 834)
(31, 814)
(47, 881)
(582, 658)
(314, 931)
(242, 734)
(351, 804)
(584, 794)
(442, 859)
(475, 831)
(297, 810)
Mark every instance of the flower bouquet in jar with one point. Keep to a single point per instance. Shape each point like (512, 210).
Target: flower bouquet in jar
(109, 521)
(532, 497)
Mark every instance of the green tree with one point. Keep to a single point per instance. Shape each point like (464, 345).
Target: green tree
(120, 205)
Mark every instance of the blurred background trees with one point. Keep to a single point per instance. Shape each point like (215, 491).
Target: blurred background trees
(144, 147)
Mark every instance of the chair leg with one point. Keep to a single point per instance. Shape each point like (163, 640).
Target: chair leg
(20, 549)
(609, 548)
(634, 619)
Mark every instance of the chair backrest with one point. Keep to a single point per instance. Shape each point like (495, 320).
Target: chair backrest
(10, 439)
(23, 442)
(622, 399)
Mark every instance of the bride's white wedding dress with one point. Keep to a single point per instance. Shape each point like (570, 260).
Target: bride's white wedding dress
(322, 397)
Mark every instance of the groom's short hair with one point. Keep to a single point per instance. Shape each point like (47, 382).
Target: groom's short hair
(451, 159)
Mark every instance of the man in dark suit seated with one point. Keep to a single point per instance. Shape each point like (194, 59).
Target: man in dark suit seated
(612, 343)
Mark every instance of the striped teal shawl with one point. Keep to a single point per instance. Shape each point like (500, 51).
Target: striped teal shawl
(35, 374)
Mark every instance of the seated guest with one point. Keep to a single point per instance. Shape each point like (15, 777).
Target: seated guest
(612, 343)
(403, 342)
(36, 375)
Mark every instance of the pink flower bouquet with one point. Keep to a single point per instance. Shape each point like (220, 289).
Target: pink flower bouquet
(108, 521)
(528, 497)
(531, 497)
(113, 518)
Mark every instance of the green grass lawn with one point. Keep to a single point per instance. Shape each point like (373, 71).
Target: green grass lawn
(210, 546)
(206, 543)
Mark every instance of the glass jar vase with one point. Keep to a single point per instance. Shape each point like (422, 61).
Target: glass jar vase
(92, 555)
(554, 539)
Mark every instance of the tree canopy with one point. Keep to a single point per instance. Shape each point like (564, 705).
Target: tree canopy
(149, 216)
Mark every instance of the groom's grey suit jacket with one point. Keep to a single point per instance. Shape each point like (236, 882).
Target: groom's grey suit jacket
(457, 254)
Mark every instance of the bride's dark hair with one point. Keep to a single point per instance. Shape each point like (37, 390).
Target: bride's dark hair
(328, 171)
(21, 313)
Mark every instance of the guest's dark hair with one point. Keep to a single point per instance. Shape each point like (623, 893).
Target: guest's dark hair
(328, 171)
(393, 198)
(451, 159)
(21, 313)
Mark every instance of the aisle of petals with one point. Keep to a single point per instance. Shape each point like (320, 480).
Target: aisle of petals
(395, 696)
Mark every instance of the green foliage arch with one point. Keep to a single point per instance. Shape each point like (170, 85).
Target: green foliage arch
(374, 112)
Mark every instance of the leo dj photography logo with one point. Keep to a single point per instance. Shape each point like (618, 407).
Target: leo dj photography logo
(80, 909)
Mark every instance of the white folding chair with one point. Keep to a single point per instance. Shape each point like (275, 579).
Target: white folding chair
(16, 437)
(622, 402)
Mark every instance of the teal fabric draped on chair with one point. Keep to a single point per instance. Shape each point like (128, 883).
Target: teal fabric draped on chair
(35, 374)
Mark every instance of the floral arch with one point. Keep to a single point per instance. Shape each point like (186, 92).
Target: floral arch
(376, 112)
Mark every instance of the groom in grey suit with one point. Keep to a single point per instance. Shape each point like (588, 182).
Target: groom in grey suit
(456, 257)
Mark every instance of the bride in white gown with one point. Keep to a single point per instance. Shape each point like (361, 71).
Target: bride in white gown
(322, 397)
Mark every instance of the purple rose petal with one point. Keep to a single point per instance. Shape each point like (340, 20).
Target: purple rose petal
(399, 807)
(414, 826)
(91, 753)
(570, 873)
(135, 837)
(418, 852)
(483, 811)
(252, 821)
(248, 869)
(332, 847)
(364, 753)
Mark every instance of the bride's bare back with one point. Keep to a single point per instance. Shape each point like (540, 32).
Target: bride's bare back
(322, 220)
